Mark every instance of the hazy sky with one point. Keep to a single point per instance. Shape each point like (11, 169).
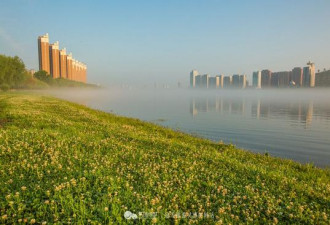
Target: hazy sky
(162, 40)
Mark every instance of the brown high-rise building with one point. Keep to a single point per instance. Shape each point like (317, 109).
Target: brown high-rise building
(79, 72)
(85, 74)
(57, 63)
(54, 56)
(63, 64)
(74, 69)
(69, 66)
(43, 50)
(82, 68)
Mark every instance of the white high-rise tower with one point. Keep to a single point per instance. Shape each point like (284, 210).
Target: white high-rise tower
(193, 75)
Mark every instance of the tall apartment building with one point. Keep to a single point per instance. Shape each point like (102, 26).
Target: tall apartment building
(63, 63)
(57, 63)
(242, 81)
(227, 81)
(193, 75)
(220, 80)
(309, 75)
(322, 79)
(266, 76)
(235, 81)
(198, 81)
(297, 76)
(274, 79)
(84, 73)
(54, 57)
(280, 79)
(81, 72)
(74, 69)
(69, 66)
(284, 78)
(43, 52)
(214, 82)
(256, 79)
(205, 81)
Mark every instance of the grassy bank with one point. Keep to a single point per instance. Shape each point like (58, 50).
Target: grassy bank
(63, 162)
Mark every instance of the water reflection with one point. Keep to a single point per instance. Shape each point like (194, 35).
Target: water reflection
(301, 111)
(294, 128)
(217, 104)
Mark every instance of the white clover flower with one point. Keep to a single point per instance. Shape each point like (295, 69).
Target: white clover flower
(128, 215)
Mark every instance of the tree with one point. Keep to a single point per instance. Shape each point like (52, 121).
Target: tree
(12, 71)
(43, 76)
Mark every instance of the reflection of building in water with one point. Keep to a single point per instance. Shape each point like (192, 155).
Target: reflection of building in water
(217, 104)
(193, 110)
(214, 104)
(322, 110)
(291, 111)
(237, 106)
(198, 105)
(299, 111)
(255, 108)
(307, 113)
(226, 106)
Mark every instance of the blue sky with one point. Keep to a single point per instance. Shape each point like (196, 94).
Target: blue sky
(161, 41)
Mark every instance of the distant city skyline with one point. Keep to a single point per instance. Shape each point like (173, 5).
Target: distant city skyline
(297, 77)
(143, 42)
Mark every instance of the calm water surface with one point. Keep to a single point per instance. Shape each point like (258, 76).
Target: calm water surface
(288, 123)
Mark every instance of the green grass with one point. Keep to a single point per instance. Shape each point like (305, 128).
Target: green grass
(65, 163)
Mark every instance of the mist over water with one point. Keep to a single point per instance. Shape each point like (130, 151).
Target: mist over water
(287, 123)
